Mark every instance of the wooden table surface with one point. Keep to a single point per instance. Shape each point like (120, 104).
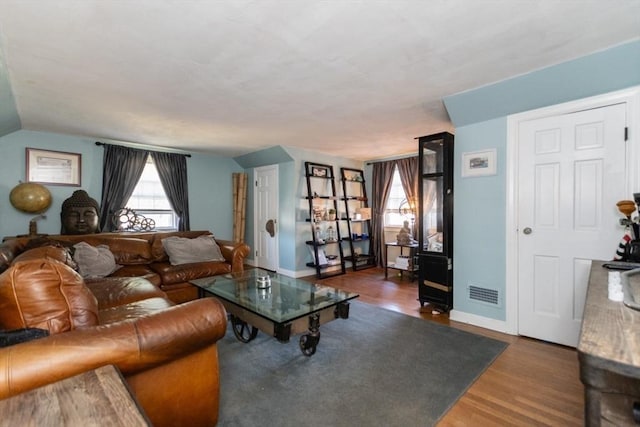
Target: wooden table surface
(610, 335)
(95, 398)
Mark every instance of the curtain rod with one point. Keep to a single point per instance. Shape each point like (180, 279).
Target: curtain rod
(183, 154)
(392, 159)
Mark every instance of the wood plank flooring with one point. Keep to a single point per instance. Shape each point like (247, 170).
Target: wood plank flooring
(530, 383)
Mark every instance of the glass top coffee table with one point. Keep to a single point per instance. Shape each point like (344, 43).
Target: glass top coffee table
(277, 305)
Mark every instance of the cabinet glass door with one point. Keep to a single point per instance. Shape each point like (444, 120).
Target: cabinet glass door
(432, 218)
(432, 157)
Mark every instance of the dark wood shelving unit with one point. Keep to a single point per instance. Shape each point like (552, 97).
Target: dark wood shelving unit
(354, 196)
(326, 246)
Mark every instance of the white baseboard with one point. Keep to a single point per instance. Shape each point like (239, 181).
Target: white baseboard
(483, 322)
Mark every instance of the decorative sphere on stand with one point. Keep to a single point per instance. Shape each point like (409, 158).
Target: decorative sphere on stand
(30, 197)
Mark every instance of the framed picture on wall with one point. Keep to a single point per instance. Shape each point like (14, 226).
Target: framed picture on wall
(53, 167)
(479, 163)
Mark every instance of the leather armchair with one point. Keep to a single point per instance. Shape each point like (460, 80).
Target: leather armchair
(168, 358)
(166, 352)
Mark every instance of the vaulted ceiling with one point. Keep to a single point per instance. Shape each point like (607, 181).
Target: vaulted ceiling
(358, 79)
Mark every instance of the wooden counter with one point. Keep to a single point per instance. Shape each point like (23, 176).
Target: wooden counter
(609, 355)
(94, 398)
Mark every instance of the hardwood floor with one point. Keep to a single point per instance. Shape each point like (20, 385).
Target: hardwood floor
(530, 383)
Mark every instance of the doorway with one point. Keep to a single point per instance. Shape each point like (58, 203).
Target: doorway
(567, 167)
(265, 200)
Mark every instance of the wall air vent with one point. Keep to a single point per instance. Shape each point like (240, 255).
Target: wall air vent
(489, 296)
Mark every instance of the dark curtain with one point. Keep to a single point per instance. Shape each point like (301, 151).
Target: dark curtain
(408, 171)
(122, 168)
(172, 169)
(382, 178)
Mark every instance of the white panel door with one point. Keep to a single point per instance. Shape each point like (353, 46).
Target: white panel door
(266, 217)
(571, 173)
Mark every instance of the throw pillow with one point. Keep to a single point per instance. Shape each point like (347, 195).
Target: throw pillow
(182, 250)
(94, 261)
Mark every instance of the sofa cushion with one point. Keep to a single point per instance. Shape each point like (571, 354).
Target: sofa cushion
(182, 250)
(58, 253)
(94, 261)
(129, 250)
(46, 294)
(114, 291)
(143, 271)
(172, 274)
(133, 310)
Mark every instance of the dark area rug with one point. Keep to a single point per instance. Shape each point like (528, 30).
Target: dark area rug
(377, 368)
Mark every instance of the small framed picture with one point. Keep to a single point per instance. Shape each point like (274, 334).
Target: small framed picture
(479, 163)
(53, 167)
(319, 171)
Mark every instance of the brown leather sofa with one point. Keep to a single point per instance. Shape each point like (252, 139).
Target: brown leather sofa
(142, 255)
(166, 352)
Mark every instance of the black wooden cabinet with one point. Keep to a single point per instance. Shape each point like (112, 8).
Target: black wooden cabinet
(435, 220)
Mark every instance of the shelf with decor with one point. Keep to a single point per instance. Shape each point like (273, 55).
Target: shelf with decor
(326, 242)
(358, 219)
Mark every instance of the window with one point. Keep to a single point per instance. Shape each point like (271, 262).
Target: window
(397, 209)
(150, 200)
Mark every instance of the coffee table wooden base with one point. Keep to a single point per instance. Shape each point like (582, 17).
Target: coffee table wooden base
(246, 325)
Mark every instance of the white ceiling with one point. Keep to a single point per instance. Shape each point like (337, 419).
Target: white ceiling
(358, 79)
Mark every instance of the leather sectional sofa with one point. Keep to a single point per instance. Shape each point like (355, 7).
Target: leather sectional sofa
(165, 350)
(143, 255)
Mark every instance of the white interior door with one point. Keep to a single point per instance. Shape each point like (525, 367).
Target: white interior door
(571, 173)
(266, 217)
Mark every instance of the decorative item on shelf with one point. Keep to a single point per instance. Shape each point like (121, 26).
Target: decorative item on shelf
(402, 261)
(319, 235)
(404, 236)
(318, 213)
(331, 214)
(332, 236)
(126, 219)
(320, 171)
(365, 213)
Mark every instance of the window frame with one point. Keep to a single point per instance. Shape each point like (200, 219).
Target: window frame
(151, 212)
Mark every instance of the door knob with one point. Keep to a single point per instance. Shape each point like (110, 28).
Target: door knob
(527, 230)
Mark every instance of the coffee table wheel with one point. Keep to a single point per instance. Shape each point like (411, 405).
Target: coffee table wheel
(242, 330)
(308, 344)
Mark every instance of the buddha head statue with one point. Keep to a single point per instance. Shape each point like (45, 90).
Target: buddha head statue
(79, 214)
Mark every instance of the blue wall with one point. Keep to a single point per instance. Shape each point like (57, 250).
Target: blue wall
(480, 117)
(479, 220)
(210, 192)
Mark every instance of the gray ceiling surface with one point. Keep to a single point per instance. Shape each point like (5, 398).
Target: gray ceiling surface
(358, 79)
